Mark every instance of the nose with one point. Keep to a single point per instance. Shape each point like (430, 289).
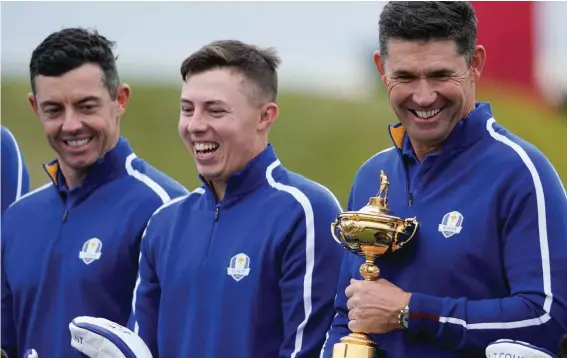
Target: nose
(424, 95)
(71, 123)
(196, 123)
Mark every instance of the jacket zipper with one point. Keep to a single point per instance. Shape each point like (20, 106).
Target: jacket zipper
(212, 236)
(408, 189)
(67, 208)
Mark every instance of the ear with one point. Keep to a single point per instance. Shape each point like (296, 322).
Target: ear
(379, 62)
(122, 98)
(477, 61)
(33, 103)
(269, 115)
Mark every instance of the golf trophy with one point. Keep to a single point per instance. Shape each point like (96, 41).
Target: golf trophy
(370, 233)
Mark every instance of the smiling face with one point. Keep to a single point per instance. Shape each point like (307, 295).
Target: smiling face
(220, 124)
(430, 86)
(79, 118)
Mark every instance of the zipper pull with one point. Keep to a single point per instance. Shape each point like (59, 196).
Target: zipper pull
(65, 215)
(410, 199)
(217, 212)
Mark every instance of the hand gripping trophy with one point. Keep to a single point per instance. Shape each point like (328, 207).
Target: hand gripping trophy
(370, 233)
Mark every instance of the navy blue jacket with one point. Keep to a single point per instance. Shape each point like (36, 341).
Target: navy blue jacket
(15, 177)
(69, 253)
(490, 258)
(253, 275)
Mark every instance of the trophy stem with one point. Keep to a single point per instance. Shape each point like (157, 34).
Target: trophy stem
(355, 345)
(368, 269)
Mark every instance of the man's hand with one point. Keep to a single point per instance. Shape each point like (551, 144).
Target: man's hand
(99, 337)
(374, 306)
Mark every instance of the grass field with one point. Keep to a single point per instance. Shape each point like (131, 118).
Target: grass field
(323, 139)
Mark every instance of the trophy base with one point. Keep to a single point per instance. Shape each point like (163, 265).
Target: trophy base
(355, 345)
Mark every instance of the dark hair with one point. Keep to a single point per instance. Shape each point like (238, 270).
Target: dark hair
(258, 65)
(70, 48)
(423, 21)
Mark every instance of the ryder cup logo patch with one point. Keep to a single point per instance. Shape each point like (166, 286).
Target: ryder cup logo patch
(239, 266)
(91, 250)
(451, 224)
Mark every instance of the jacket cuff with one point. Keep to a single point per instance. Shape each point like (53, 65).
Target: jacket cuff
(424, 313)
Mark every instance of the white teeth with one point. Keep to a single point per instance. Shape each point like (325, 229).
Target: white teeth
(78, 143)
(427, 114)
(206, 146)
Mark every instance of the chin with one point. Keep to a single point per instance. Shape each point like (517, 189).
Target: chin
(430, 136)
(82, 162)
(210, 174)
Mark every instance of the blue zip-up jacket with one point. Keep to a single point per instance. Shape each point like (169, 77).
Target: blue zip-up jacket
(15, 177)
(69, 253)
(253, 275)
(489, 260)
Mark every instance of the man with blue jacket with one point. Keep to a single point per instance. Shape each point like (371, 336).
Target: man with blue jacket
(245, 266)
(71, 247)
(15, 175)
(489, 261)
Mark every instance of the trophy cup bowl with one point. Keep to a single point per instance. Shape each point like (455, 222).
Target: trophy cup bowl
(370, 233)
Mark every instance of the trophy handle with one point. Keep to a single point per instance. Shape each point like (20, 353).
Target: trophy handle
(333, 226)
(415, 225)
(397, 245)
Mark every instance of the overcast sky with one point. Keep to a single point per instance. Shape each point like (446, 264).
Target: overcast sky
(319, 42)
(326, 45)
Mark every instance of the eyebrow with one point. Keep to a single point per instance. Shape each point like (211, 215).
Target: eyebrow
(211, 102)
(439, 72)
(81, 101)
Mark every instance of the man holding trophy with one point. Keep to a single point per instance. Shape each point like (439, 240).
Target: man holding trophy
(463, 242)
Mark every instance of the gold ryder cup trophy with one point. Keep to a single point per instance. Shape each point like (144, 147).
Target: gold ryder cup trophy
(370, 232)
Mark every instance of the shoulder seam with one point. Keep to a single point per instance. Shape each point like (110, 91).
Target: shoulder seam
(35, 191)
(377, 154)
(178, 199)
(152, 184)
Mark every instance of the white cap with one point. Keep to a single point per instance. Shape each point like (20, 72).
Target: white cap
(97, 337)
(507, 348)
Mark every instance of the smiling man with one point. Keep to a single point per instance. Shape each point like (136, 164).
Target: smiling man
(489, 261)
(71, 247)
(245, 266)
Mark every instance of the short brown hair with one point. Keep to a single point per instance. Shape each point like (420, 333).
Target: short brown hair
(259, 65)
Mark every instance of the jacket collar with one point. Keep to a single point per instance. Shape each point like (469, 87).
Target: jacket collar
(407, 149)
(105, 169)
(467, 131)
(251, 177)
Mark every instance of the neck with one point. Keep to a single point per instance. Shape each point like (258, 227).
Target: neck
(72, 177)
(219, 188)
(422, 150)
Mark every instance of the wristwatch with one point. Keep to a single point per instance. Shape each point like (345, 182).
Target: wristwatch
(403, 317)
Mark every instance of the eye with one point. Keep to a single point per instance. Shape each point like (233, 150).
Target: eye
(88, 108)
(52, 111)
(186, 110)
(404, 78)
(217, 111)
(441, 76)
